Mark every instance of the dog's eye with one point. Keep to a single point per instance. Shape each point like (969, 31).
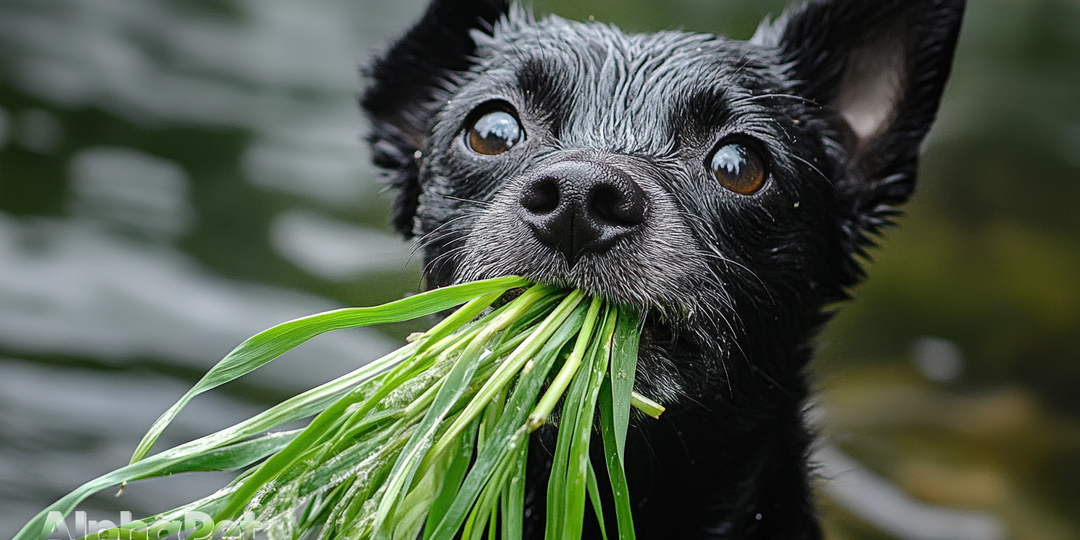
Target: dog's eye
(738, 167)
(493, 133)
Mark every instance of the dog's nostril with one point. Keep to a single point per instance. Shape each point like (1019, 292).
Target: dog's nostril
(541, 196)
(621, 206)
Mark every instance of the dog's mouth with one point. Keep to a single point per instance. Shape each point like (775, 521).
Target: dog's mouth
(663, 341)
(652, 271)
(659, 307)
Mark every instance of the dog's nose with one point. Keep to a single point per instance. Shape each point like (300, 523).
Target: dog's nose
(579, 207)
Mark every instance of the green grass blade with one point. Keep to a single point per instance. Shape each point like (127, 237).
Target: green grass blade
(557, 496)
(511, 430)
(327, 471)
(455, 474)
(512, 365)
(614, 462)
(232, 457)
(581, 432)
(454, 385)
(566, 374)
(646, 405)
(401, 475)
(559, 514)
(322, 426)
(480, 515)
(269, 344)
(624, 356)
(295, 408)
(513, 509)
(593, 489)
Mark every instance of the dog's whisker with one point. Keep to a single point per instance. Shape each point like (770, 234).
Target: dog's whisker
(478, 202)
(811, 166)
(771, 380)
(436, 264)
(442, 231)
(774, 95)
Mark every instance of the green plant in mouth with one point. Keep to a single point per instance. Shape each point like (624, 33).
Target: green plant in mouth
(431, 438)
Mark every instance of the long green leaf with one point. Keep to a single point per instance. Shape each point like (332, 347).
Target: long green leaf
(566, 374)
(511, 430)
(319, 429)
(512, 365)
(513, 510)
(560, 497)
(597, 502)
(614, 462)
(269, 344)
(616, 397)
(581, 431)
(232, 457)
(454, 384)
(624, 357)
(455, 474)
(322, 426)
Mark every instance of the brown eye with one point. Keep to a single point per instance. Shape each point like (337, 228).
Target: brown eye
(493, 133)
(738, 168)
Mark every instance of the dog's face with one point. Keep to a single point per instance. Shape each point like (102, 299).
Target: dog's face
(724, 187)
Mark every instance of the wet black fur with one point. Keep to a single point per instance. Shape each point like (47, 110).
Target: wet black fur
(735, 286)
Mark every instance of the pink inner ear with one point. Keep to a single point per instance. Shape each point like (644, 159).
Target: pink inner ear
(872, 87)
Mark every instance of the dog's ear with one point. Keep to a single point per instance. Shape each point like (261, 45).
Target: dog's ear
(405, 84)
(881, 66)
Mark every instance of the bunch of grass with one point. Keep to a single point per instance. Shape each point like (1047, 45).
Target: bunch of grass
(431, 438)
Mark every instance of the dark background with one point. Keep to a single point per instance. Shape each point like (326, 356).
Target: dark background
(176, 175)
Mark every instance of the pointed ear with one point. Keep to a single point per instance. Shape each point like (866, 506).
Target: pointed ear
(405, 83)
(881, 67)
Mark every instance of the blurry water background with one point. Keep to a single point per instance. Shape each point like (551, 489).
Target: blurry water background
(176, 175)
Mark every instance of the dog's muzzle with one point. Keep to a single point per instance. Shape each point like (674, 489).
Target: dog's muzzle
(598, 222)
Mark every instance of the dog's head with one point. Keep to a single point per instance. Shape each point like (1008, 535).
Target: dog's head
(726, 187)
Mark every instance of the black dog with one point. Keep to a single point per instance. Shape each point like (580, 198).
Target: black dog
(727, 188)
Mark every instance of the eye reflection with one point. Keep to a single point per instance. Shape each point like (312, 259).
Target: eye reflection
(738, 168)
(493, 133)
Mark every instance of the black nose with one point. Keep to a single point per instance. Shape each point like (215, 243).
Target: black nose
(579, 207)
